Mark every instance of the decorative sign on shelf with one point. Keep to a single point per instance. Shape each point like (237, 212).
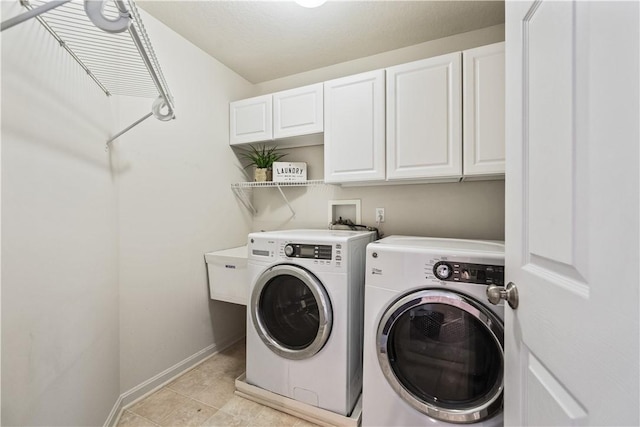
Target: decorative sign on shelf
(289, 171)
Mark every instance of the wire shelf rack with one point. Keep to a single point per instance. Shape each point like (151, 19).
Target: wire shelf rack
(277, 184)
(109, 41)
(239, 189)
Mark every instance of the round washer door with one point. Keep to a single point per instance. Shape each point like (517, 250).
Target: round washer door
(291, 311)
(442, 352)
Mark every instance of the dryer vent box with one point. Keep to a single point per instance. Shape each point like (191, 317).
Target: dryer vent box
(347, 209)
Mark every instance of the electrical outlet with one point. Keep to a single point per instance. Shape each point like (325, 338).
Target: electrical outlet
(379, 214)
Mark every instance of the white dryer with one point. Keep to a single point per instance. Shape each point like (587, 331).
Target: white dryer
(304, 319)
(433, 345)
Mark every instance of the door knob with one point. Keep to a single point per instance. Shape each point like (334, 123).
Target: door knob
(509, 294)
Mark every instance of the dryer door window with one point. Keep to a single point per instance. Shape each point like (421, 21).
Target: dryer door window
(291, 312)
(442, 352)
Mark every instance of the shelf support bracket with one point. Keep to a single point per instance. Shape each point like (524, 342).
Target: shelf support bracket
(238, 190)
(293, 213)
(156, 110)
(128, 128)
(31, 14)
(240, 194)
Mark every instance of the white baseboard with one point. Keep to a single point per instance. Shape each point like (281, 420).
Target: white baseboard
(139, 392)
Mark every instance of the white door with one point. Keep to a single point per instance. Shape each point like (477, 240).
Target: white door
(572, 214)
(424, 119)
(354, 128)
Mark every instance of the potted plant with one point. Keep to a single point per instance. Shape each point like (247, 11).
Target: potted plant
(262, 158)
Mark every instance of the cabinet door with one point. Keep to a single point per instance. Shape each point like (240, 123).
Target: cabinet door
(250, 120)
(298, 111)
(424, 127)
(354, 128)
(483, 110)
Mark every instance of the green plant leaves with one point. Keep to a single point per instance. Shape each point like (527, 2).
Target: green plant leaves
(261, 157)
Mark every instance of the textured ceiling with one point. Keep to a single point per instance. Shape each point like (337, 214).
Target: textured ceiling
(265, 40)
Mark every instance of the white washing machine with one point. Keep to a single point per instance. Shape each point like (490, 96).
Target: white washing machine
(304, 319)
(433, 344)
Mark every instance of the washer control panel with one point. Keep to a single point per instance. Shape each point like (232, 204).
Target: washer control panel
(298, 250)
(452, 271)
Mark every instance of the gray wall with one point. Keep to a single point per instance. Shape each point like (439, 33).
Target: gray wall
(175, 204)
(60, 345)
(104, 284)
(473, 210)
(467, 210)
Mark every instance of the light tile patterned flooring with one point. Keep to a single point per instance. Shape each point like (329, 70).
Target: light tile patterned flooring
(204, 396)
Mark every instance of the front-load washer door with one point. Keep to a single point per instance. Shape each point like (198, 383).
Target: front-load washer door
(442, 352)
(291, 311)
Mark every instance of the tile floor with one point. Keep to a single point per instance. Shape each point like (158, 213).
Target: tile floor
(204, 396)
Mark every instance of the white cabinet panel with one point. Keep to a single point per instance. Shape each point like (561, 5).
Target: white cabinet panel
(250, 120)
(483, 110)
(354, 131)
(424, 126)
(298, 111)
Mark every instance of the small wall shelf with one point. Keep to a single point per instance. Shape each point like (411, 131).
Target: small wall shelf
(239, 189)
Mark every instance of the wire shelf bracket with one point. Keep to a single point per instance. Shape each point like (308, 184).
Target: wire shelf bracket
(123, 64)
(239, 189)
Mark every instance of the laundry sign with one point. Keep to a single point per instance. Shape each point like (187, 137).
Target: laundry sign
(289, 171)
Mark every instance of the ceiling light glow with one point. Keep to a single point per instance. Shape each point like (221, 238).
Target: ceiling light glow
(310, 3)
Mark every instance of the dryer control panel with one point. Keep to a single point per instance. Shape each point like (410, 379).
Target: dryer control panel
(452, 271)
(298, 250)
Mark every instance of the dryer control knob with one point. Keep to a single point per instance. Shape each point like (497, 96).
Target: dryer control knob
(442, 270)
(288, 250)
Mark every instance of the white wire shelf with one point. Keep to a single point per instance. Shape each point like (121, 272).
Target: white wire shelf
(240, 187)
(109, 41)
(277, 184)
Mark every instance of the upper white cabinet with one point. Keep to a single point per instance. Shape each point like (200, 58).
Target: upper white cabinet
(424, 122)
(250, 120)
(444, 121)
(283, 114)
(354, 128)
(298, 111)
(437, 119)
(484, 97)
